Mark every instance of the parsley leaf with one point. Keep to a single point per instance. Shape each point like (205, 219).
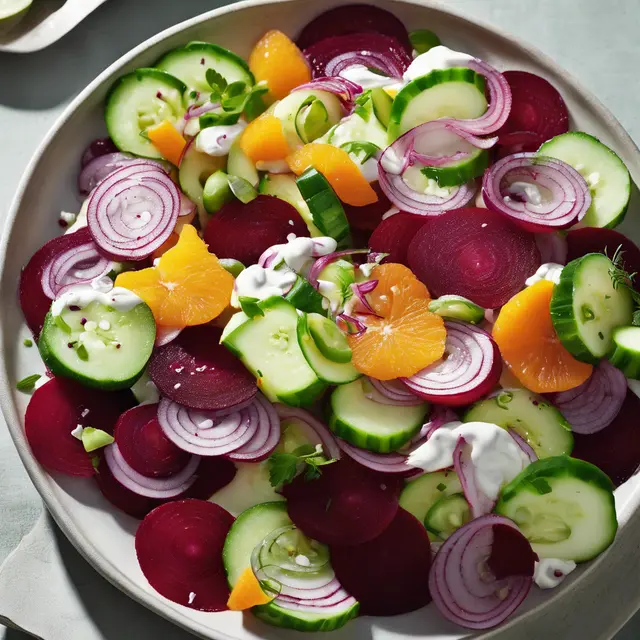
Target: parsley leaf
(306, 460)
(355, 147)
(29, 383)
(362, 109)
(216, 81)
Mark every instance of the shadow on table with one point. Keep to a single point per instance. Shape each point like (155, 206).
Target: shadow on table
(46, 78)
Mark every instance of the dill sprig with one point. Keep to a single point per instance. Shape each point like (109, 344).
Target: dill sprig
(620, 277)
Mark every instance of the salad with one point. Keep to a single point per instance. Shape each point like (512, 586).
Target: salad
(346, 326)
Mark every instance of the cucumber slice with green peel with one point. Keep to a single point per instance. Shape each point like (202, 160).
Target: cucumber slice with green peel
(460, 172)
(327, 213)
(195, 169)
(190, 64)
(326, 369)
(382, 103)
(139, 100)
(421, 494)
(361, 126)
(564, 507)
(98, 345)
(312, 120)
(625, 352)
(455, 93)
(216, 192)
(242, 189)
(305, 298)
(423, 39)
(11, 12)
(233, 266)
(370, 425)
(239, 164)
(586, 306)
(447, 515)
(334, 283)
(457, 308)
(304, 621)
(268, 346)
(607, 176)
(331, 342)
(531, 416)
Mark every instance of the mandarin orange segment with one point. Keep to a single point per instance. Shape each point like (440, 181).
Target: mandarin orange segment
(277, 61)
(264, 140)
(187, 287)
(169, 243)
(247, 592)
(168, 141)
(530, 347)
(338, 168)
(396, 285)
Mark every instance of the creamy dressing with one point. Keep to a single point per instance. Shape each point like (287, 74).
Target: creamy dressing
(82, 296)
(495, 456)
(217, 141)
(359, 74)
(550, 572)
(257, 282)
(550, 271)
(298, 253)
(527, 190)
(439, 57)
(416, 180)
(80, 220)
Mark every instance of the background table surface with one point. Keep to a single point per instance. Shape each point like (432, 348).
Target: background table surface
(595, 41)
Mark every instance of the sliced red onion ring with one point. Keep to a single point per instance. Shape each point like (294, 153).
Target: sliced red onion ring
(479, 502)
(96, 148)
(462, 586)
(313, 428)
(351, 325)
(361, 304)
(471, 369)
(344, 89)
(396, 391)
(323, 261)
(524, 445)
(150, 487)
(553, 247)
(165, 335)
(187, 207)
(133, 211)
(438, 417)
(195, 111)
(594, 405)
(559, 198)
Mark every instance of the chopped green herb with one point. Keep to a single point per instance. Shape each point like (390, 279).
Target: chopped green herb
(362, 150)
(541, 486)
(250, 306)
(216, 81)
(636, 319)
(587, 313)
(503, 399)
(93, 439)
(260, 374)
(82, 352)
(28, 343)
(306, 459)
(193, 95)
(600, 335)
(441, 487)
(61, 324)
(95, 462)
(29, 383)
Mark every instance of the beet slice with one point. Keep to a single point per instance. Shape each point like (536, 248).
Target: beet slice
(474, 253)
(198, 372)
(96, 148)
(518, 142)
(536, 106)
(367, 218)
(145, 447)
(213, 474)
(511, 553)
(616, 449)
(347, 505)
(396, 58)
(353, 18)
(179, 548)
(394, 235)
(35, 304)
(244, 231)
(56, 409)
(388, 575)
(594, 240)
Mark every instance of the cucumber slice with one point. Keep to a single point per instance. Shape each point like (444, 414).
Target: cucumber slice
(268, 347)
(233, 266)
(334, 282)
(361, 126)
(216, 192)
(586, 307)
(370, 425)
(625, 352)
(461, 172)
(529, 415)
(11, 12)
(239, 164)
(304, 297)
(607, 176)
(190, 64)
(303, 621)
(312, 120)
(326, 369)
(98, 345)
(422, 40)
(382, 103)
(447, 515)
(565, 508)
(455, 93)
(421, 494)
(139, 100)
(195, 169)
(457, 308)
(242, 189)
(283, 186)
(331, 342)
(326, 209)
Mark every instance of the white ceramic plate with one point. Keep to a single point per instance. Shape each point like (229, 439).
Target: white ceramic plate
(104, 536)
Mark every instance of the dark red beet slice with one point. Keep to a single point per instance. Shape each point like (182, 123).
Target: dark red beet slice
(198, 372)
(179, 548)
(212, 474)
(537, 106)
(35, 304)
(348, 504)
(394, 235)
(244, 231)
(99, 147)
(517, 142)
(511, 553)
(367, 218)
(56, 409)
(145, 447)
(594, 240)
(473, 253)
(384, 53)
(388, 575)
(616, 449)
(354, 18)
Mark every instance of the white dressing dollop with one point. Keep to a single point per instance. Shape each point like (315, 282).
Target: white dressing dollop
(273, 166)
(83, 295)
(217, 140)
(495, 456)
(550, 572)
(361, 75)
(550, 271)
(257, 282)
(299, 252)
(439, 57)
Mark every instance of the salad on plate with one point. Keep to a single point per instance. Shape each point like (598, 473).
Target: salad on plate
(347, 326)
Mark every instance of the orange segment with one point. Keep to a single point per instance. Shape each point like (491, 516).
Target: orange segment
(187, 287)
(264, 140)
(529, 344)
(338, 168)
(277, 61)
(408, 337)
(169, 243)
(247, 593)
(168, 141)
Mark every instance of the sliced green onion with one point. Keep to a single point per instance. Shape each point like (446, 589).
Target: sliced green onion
(29, 383)
(242, 189)
(457, 308)
(234, 267)
(250, 306)
(93, 439)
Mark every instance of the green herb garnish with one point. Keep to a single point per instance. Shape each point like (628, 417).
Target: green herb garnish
(28, 343)
(305, 460)
(29, 383)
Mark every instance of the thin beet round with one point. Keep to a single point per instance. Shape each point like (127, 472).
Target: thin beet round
(179, 548)
(96, 148)
(196, 371)
(511, 553)
(212, 475)
(474, 253)
(594, 240)
(347, 505)
(244, 231)
(394, 235)
(367, 218)
(388, 575)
